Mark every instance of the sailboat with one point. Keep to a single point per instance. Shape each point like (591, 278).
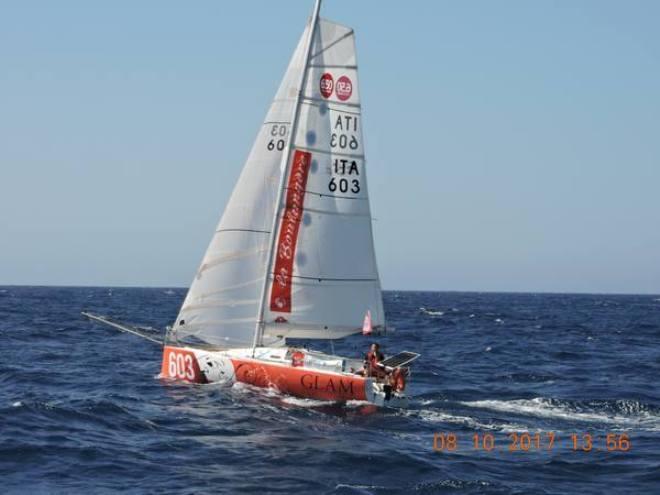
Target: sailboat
(293, 254)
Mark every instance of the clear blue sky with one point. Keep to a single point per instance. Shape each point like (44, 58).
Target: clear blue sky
(512, 145)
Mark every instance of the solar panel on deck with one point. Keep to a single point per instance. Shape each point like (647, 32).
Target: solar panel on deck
(400, 359)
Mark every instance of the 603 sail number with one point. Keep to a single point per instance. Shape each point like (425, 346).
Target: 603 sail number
(277, 132)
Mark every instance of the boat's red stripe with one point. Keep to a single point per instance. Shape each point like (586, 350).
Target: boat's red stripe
(280, 294)
(300, 381)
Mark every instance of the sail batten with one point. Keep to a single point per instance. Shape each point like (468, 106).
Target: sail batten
(320, 280)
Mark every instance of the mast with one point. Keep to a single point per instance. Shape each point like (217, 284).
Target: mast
(284, 167)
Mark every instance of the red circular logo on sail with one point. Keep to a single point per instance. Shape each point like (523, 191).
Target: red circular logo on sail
(326, 85)
(344, 88)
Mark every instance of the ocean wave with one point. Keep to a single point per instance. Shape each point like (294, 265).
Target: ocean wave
(622, 413)
(439, 416)
(431, 312)
(79, 412)
(300, 402)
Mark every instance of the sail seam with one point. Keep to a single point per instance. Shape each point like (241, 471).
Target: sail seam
(243, 230)
(335, 213)
(230, 288)
(194, 306)
(319, 103)
(313, 193)
(333, 66)
(230, 257)
(207, 323)
(314, 99)
(325, 152)
(328, 279)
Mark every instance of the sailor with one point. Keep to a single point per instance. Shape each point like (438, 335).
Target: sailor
(372, 360)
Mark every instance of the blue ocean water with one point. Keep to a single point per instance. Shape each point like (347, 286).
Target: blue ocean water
(82, 410)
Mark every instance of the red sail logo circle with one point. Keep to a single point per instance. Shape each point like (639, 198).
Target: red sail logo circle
(326, 85)
(344, 88)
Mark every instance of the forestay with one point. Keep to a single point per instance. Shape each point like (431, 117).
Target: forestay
(324, 277)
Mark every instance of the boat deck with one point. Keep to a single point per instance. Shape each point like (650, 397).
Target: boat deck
(311, 359)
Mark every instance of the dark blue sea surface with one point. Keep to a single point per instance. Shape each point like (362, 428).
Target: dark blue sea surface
(82, 409)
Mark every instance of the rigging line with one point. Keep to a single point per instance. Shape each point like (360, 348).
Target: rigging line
(327, 47)
(122, 327)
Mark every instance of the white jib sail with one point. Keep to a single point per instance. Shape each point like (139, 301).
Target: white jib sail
(222, 302)
(324, 273)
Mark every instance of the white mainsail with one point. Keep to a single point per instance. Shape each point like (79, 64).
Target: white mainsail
(334, 276)
(323, 273)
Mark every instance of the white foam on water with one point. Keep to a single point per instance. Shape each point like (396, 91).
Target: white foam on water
(290, 399)
(367, 488)
(18, 403)
(545, 408)
(247, 388)
(437, 416)
(240, 387)
(431, 312)
(300, 402)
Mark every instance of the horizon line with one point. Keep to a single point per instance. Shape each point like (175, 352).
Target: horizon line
(548, 292)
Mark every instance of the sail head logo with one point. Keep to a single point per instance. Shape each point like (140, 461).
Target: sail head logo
(344, 88)
(326, 85)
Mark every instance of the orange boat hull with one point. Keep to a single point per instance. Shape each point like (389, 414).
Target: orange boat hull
(299, 381)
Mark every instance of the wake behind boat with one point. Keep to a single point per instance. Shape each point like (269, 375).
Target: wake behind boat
(293, 254)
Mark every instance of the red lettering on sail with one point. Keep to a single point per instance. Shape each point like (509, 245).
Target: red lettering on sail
(280, 294)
